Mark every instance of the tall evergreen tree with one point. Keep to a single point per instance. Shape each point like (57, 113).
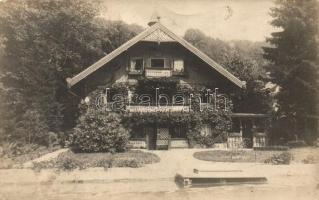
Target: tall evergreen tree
(293, 53)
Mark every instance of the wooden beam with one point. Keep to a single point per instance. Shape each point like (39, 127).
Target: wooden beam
(249, 115)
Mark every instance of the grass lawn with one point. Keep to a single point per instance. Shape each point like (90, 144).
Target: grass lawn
(235, 155)
(13, 160)
(70, 160)
(307, 155)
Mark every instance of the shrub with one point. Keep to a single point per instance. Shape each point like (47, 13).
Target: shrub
(68, 161)
(38, 166)
(219, 124)
(99, 132)
(131, 162)
(281, 159)
(14, 149)
(106, 163)
(65, 162)
(195, 137)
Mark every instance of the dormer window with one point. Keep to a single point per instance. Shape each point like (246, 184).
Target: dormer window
(158, 63)
(178, 65)
(137, 65)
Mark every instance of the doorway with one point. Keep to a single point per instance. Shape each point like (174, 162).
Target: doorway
(157, 138)
(163, 137)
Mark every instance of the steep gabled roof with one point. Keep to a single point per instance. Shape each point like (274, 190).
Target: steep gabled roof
(145, 35)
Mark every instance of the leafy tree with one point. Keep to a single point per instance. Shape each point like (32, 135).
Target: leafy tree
(294, 56)
(255, 98)
(215, 48)
(42, 43)
(244, 59)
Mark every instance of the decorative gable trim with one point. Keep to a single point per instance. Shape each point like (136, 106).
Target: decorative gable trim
(158, 36)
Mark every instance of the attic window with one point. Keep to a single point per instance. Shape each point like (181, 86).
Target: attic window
(157, 62)
(137, 64)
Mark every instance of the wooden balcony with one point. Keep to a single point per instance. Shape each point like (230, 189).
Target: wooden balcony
(158, 108)
(135, 72)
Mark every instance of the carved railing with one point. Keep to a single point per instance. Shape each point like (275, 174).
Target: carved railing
(158, 108)
(158, 72)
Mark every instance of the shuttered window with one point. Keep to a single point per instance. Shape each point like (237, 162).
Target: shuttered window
(137, 64)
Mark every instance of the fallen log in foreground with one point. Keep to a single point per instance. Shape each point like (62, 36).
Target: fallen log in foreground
(197, 180)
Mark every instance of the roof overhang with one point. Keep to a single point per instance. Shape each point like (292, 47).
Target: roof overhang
(157, 26)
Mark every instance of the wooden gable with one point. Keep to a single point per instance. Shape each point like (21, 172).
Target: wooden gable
(158, 36)
(157, 32)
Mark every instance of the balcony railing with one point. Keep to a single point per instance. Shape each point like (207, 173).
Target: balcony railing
(158, 72)
(135, 72)
(158, 108)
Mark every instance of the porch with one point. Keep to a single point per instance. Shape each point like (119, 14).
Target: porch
(248, 131)
(159, 138)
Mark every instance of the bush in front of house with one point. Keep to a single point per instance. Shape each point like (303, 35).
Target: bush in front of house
(99, 132)
(219, 123)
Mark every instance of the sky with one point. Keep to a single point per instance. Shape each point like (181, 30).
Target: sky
(223, 19)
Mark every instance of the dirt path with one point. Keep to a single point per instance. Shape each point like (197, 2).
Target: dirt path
(156, 181)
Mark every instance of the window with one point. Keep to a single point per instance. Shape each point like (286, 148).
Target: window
(178, 65)
(157, 62)
(137, 64)
(206, 130)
